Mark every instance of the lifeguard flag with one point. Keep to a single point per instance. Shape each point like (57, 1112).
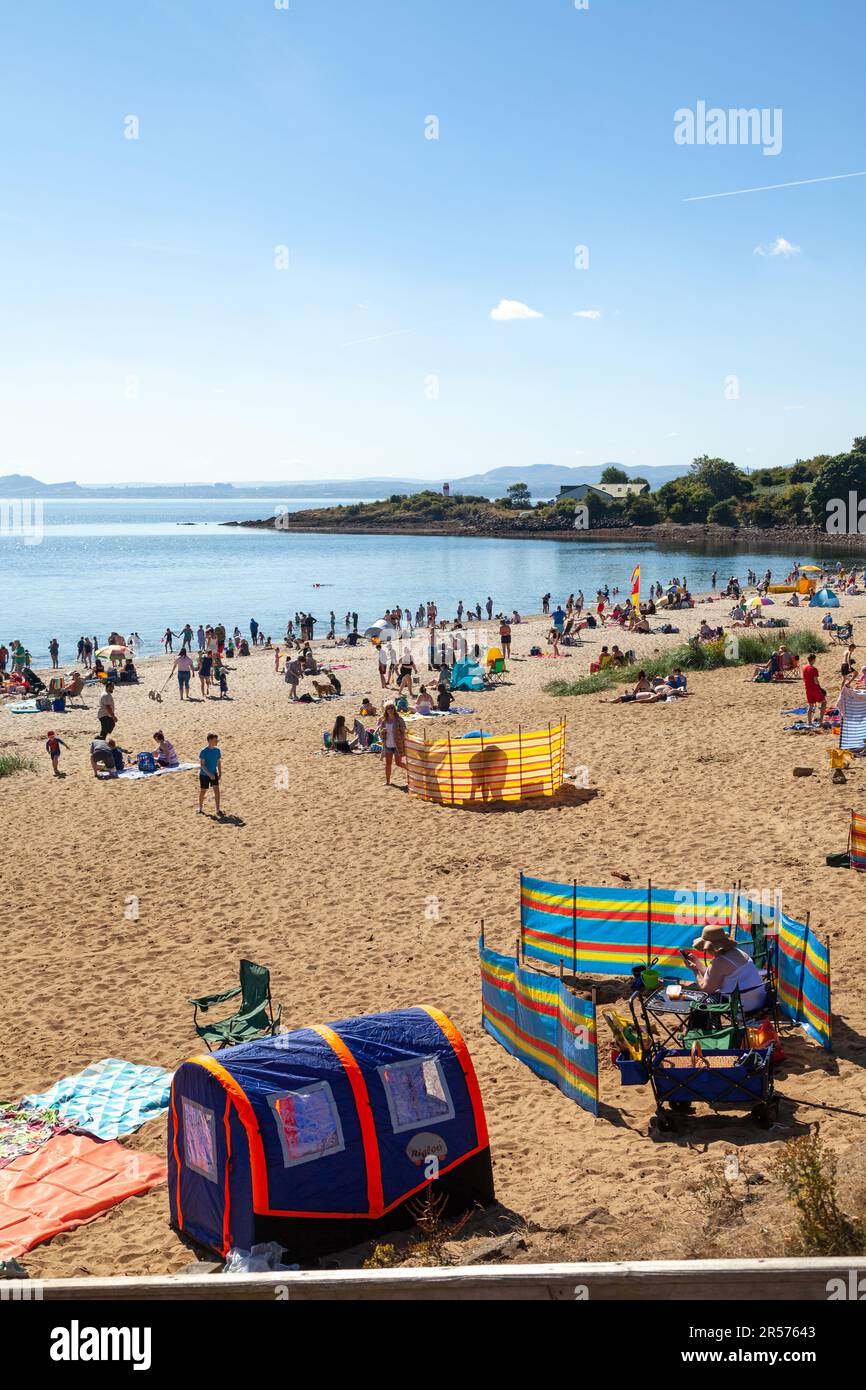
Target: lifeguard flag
(635, 589)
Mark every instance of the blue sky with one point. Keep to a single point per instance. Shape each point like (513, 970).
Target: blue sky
(148, 335)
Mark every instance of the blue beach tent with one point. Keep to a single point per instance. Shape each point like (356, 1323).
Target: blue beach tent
(467, 675)
(824, 598)
(317, 1138)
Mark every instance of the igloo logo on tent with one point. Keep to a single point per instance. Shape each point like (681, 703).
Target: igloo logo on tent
(424, 1146)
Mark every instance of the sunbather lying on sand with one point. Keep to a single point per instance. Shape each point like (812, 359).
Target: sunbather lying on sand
(646, 692)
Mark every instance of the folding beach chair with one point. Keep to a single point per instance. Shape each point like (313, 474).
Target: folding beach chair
(497, 670)
(711, 1024)
(254, 1018)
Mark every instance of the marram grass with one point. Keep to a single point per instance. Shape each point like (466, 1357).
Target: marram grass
(11, 763)
(751, 650)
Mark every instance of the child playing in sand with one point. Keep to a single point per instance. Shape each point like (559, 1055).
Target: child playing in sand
(53, 745)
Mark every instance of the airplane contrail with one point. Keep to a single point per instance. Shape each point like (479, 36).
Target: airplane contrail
(765, 188)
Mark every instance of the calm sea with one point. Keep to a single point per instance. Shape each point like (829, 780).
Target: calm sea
(143, 566)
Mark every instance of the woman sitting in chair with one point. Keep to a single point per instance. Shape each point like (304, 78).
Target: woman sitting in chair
(726, 968)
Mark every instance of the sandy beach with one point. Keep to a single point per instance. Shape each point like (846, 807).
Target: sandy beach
(326, 876)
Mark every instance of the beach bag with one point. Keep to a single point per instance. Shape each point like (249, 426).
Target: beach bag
(145, 762)
(43, 703)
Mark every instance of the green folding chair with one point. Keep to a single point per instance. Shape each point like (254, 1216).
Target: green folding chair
(255, 1017)
(497, 671)
(709, 1023)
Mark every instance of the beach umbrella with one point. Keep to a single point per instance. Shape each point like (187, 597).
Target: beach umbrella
(753, 602)
(113, 652)
(811, 569)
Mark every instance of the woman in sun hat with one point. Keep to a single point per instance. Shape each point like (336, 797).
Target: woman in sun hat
(725, 967)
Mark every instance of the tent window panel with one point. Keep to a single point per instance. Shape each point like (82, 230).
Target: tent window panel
(308, 1123)
(199, 1138)
(417, 1093)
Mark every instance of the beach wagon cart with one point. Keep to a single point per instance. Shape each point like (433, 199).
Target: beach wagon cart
(712, 1071)
(721, 1080)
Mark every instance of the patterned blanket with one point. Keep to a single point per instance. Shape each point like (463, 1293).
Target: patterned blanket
(108, 1098)
(23, 1130)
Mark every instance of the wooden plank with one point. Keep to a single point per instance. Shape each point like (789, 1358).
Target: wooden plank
(735, 1280)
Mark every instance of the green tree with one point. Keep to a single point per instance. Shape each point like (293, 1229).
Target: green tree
(691, 501)
(724, 513)
(612, 474)
(720, 477)
(793, 504)
(519, 495)
(835, 480)
(642, 510)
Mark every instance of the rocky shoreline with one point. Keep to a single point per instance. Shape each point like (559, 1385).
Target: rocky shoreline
(807, 539)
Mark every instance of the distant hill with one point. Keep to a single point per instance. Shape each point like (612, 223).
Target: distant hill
(22, 485)
(542, 479)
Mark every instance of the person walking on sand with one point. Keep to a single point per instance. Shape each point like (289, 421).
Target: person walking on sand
(815, 693)
(106, 713)
(210, 773)
(392, 733)
(382, 661)
(183, 664)
(53, 745)
(205, 667)
(292, 676)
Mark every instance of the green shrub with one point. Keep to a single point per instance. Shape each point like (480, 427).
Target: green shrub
(807, 1170)
(724, 513)
(751, 650)
(11, 763)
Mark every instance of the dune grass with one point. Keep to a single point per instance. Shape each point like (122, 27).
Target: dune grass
(11, 763)
(751, 650)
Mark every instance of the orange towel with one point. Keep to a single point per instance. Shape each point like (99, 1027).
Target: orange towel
(71, 1180)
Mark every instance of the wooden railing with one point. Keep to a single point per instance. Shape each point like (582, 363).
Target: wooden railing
(794, 1279)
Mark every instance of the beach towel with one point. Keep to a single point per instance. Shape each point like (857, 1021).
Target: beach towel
(108, 1098)
(852, 704)
(67, 1182)
(135, 774)
(804, 709)
(23, 1130)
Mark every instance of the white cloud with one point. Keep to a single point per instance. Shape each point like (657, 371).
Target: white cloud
(779, 247)
(587, 314)
(508, 309)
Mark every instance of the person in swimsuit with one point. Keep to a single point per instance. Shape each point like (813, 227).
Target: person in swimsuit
(205, 667)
